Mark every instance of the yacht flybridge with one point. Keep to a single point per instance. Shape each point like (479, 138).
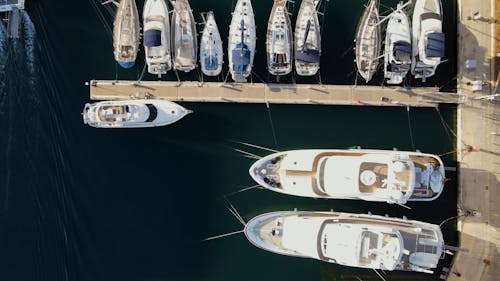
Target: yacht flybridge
(307, 45)
(371, 175)
(368, 41)
(242, 38)
(126, 33)
(133, 113)
(157, 37)
(428, 38)
(279, 40)
(397, 54)
(184, 38)
(365, 241)
(211, 53)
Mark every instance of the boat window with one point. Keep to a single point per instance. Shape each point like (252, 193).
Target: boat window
(321, 175)
(153, 112)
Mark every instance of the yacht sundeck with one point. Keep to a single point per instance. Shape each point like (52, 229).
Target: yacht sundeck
(211, 53)
(307, 39)
(241, 47)
(428, 38)
(157, 37)
(368, 42)
(365, 241)
(133, 113)
(279, 40)
(126, 33)
(397, 55)
(371, 175)
(184, 38)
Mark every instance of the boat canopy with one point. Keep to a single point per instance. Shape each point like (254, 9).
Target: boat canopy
(152, 38)
(211, 63)
(402, 51)
(435, 45)
(308, 56)
(241, 58)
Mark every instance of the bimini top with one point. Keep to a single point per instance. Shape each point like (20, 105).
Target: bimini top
(435, 45)
(402, 51)
(152, 38)
(308, 56)
(241, 57)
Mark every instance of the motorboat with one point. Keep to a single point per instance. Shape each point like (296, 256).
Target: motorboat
(428, 38)
(211, 52)
(126, 34)
(397, 53)
(279, 40)
(157, 36)
(355, 240)
(307, 45)
(184, 37)
(368, 41)
(371, 175)
(242, 39)
(133, 113)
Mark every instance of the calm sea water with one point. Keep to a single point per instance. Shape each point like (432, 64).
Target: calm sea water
(78, 203)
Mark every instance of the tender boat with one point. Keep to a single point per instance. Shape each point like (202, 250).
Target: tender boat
(356, 240)
(428, 38)
(371, 175)
(279, 40)
(242, 39)
(184, 38)
(397, 54)
(368, 42)
(307, 39)
(133, 113)
(157, 36)
(126, 35)
(211, 52)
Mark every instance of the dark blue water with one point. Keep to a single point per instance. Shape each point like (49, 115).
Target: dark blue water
(78, 203)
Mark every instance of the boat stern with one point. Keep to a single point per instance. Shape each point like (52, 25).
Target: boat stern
(126, 64)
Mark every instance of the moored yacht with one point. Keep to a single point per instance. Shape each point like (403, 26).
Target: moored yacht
(279, 40)
(126, 33)
(397, 54)
(428, 38)
(370, 175)
(242, 39)
(211, 53)
(356, 240)
(184, 38)
(368, 41)
(133, 113)
(157, 37)
(307, 45)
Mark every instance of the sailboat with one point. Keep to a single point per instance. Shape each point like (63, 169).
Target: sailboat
(157, 37)
(279, 40)
(242, 39)
(307, 45)
(355, 240)
(211, 53)
(368, 42)
(428, 38)
(184, 38)
(126, 34)
(397, 54)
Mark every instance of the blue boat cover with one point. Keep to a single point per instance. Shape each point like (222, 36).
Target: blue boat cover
(402, 51)
(152, 38)
(308, 56)
(126, 64)
(435, 45)
(241, 58)
(211, 63)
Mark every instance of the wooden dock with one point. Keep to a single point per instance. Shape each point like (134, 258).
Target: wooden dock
(271, 93)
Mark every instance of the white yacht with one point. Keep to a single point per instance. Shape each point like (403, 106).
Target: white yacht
(368, 41)
(126, 34)
(242, 39)
(211, 52)
(307, 45)
(279, 40)
(428, 38)
(133, 113)
(397, 54)
(370, 175)
(184, 38)
(356, 240)
(157, 36)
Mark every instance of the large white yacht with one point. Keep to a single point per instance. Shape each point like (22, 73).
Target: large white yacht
(133, 113)
(242, 39)
(356, 240)
(307, 43)
(428, 38)
(368, 41)
(211, 52)
(157, 36)
(184, 37)
(371, 175)
(279, 40)
(126, 35)
(397, 54)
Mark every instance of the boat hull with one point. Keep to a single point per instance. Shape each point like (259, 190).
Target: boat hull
(397, 42)
(126, 34)
(307, 44)
(157, 37)
(279, 40)
(242, 40)
(211, 52)
(184, 37)
(368, 42)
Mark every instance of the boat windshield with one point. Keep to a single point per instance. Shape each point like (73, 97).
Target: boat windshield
(153, 113)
